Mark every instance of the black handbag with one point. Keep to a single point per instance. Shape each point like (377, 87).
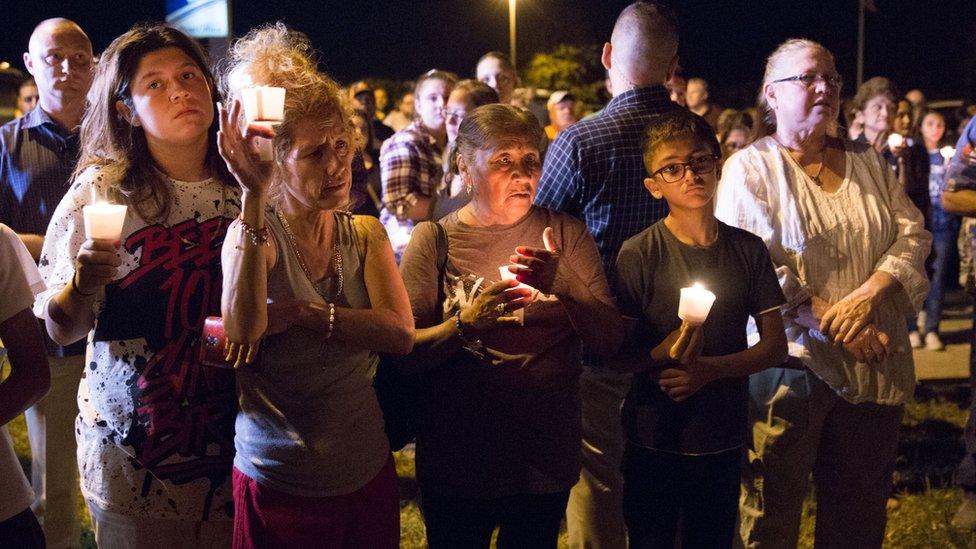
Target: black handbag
(397, 392)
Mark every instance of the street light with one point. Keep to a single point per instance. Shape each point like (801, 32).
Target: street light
(511, 33)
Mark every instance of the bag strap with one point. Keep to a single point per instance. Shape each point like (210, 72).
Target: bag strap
(441, 259)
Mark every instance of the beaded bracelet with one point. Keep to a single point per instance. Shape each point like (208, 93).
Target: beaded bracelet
(332, 317)
(259, 237)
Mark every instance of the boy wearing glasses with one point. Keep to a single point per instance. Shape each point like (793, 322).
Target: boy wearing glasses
(685, 418)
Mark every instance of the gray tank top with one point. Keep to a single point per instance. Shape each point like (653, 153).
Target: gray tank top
(309, 423)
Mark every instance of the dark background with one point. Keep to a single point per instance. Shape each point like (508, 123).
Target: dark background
(925, 44)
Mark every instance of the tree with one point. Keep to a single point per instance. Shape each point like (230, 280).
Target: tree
(567, 67)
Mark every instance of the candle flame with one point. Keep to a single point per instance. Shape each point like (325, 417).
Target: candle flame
(947, 152)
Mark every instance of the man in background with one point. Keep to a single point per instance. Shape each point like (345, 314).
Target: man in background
(38, 153)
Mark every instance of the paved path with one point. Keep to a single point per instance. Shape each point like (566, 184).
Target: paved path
(953, 363)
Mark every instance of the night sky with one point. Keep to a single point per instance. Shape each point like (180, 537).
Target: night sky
(918, 43)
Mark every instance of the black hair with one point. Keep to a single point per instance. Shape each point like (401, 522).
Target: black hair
(674, 125)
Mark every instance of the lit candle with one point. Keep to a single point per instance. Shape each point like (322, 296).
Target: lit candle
(947, 152)
(263, 103)
(895, 140)
(103, 221)
(509, 275)
(262, 144)
(695, 303)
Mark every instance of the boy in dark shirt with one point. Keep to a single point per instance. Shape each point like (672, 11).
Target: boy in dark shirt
(685, 418)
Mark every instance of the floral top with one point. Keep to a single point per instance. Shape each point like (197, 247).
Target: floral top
(156, 429)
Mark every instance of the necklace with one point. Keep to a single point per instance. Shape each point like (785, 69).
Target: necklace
(336, 259)
(823, 162)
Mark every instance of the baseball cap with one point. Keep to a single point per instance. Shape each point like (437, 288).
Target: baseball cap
(559, 96)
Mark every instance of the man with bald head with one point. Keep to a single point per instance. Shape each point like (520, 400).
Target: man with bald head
(38, 153)
(594, 171)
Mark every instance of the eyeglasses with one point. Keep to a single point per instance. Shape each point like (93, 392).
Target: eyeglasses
(809, 79)
(673, 173)
(455, 113)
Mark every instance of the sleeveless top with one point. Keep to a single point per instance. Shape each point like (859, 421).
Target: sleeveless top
(309, 422)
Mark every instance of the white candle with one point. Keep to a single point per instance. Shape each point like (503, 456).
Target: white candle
(263, 145)
(695, 303)
(509, 275)
(947, 152)
(895, 140)
(103, 221)
(263, 103)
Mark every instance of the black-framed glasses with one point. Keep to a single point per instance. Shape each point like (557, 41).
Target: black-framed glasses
(675, 172)
(811, 78)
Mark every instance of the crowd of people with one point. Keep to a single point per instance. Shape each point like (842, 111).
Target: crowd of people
(522, 280)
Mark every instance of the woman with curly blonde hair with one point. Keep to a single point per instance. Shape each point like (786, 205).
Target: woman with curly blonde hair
(311, 293)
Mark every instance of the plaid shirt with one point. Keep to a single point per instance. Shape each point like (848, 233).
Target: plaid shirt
(410, 168)
(594, 171)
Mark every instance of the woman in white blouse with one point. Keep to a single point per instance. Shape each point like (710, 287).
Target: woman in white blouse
(849, 249)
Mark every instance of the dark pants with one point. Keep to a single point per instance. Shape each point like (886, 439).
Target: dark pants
(527, 521)
(943, 244)
(22, 530)
(663, 490)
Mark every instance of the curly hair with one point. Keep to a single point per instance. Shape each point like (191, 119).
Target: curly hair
(274, 55)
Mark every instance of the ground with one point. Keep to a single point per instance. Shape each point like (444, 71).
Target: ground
(918, 515)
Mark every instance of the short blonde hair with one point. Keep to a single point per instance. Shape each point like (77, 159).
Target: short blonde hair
(274, 55)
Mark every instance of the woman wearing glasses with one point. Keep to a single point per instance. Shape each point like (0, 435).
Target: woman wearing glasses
(849, 248)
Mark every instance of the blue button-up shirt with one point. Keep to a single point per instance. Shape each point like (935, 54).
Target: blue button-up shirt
(37, 158)
(595, 171)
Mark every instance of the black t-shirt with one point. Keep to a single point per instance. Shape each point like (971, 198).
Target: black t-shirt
(652, 267)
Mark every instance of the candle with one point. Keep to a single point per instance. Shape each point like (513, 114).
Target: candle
(947, 152)
(695, 303)
(103, 221)
(509, 275)
(263, 145)
(263, 103)
(895, 140)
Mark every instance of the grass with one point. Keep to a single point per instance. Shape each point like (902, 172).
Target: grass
(918, 517)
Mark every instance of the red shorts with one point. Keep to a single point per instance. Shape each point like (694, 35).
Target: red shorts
(368, 517)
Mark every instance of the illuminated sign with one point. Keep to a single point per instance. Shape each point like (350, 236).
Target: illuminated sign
(199, 18)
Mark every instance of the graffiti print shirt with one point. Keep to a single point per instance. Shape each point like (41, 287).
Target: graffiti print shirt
(155, 429)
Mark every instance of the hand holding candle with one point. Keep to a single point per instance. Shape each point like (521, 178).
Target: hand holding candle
(537, 267)
(103, 221)
(264, 106)
(695, 304)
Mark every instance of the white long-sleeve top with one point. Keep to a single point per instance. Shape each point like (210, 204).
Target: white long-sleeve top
(828, 244)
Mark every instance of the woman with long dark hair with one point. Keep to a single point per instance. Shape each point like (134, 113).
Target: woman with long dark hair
(155, 430)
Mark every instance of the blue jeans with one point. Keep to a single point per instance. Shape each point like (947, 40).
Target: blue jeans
(942, 245)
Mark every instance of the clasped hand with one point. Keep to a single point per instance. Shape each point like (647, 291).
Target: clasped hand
(494, 305)
(687, 371)
(538, 266)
